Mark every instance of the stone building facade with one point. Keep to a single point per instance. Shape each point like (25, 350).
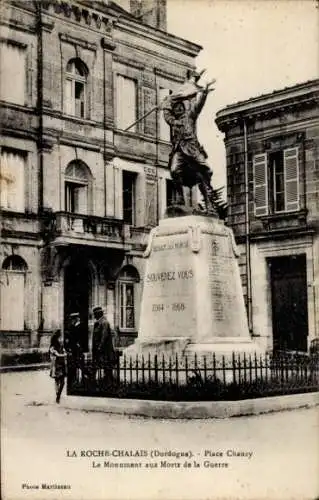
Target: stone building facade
(79, 194)
(272, 149)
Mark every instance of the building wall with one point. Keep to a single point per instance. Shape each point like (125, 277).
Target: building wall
(48, 238)
(274, 122)
(261, 284)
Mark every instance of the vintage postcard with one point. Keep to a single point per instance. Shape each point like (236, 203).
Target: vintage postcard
(159, 249)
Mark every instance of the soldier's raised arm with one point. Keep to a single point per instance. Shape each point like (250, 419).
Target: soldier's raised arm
(201, 97)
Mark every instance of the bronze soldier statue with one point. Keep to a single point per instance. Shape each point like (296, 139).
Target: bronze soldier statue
(188, 159)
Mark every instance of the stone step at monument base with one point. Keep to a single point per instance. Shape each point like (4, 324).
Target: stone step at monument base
(225, 346)
(151, 347)
(187, 347)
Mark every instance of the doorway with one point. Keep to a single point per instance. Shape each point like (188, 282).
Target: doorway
(77, 288)
(289, 302)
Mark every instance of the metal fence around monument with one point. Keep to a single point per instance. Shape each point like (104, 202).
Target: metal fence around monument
(195, 378)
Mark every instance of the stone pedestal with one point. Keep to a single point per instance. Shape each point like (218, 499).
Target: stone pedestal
(192, 297)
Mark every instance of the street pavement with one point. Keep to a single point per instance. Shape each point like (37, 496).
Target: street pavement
(273, 456)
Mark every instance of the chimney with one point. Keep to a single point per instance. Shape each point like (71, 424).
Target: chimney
(151, 12)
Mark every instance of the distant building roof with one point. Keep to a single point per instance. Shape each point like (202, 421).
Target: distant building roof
(294, 93)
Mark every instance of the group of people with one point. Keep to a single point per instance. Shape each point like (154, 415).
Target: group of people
(75, 344)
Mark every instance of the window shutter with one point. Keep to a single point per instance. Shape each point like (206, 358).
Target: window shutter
(151, 203)
(69, 98)
(119, 98)
(291, 172)
(126, 103)
(13, 73)
(82, 200)
(12, 301)
(12, 197)
(118, 191)
(5, 180)
(149, 101)
(18, 203)
(164, 130)
(260, 184)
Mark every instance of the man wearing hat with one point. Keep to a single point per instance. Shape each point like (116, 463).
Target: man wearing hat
(76, 336)
(76, 344)
(102, 347)
(188, 159)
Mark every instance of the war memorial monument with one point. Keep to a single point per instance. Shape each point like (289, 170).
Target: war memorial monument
(192, 298)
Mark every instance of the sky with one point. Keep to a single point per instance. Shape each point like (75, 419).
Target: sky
(251, 47)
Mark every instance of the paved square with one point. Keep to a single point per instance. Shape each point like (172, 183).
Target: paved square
(271, 456)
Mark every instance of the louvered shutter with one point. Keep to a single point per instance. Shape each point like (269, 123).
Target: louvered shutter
(149, 101)
(151, 207)
(12, 301)
(126, 102)
(13, 165)
(260, 184)
(69, 97)
(118, 190)
(17, 168)
(5, 180)
(164, 129)
(291, 171)
(13, 73)
(82, 200)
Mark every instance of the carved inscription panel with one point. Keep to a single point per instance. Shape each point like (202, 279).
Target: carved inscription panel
(168, 297)
(225, 286)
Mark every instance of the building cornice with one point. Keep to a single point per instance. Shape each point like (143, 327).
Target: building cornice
(269, 105)
(12, 233)
(77, 13)
(19, 133)
(279, 234)
(168, 75)
(85, 44)
(159, 37)
(68, 139)
(126, 61)
(286, 233)
(156, 54)
(269, 131)
(106, 18)
(16, 25)
(14, 42)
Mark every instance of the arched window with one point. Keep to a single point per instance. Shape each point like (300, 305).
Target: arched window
(77, 187)
(13, 293)
(127, 280)
(76, 88)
